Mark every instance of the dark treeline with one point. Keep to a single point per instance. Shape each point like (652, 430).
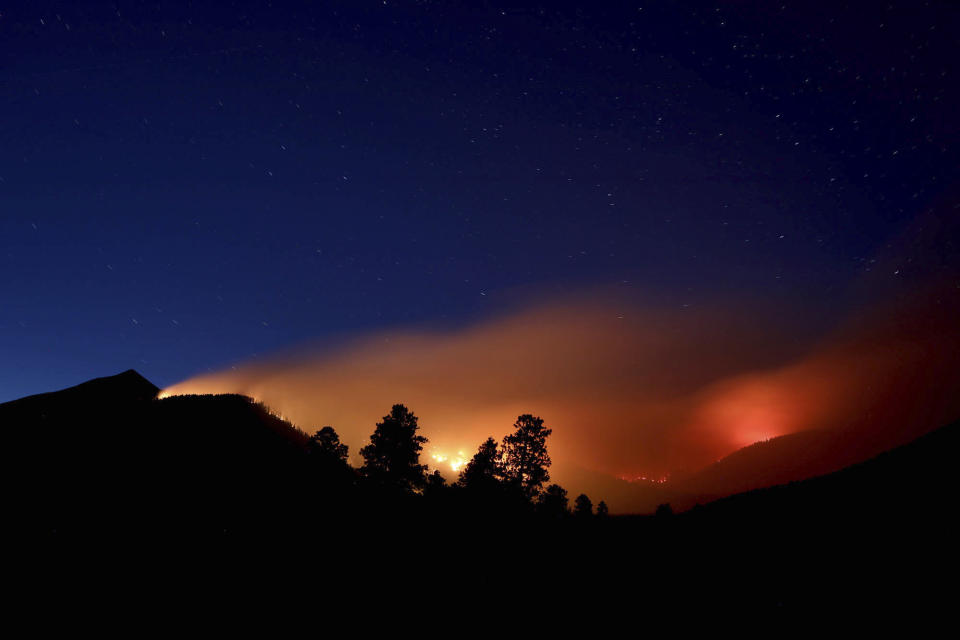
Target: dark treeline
(106, 465)
(109, 457)
(507, 479)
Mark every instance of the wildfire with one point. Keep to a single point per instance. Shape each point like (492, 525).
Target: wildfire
(455, 463)
(655, 480)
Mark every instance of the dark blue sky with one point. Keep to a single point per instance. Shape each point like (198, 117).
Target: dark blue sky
(184, 187)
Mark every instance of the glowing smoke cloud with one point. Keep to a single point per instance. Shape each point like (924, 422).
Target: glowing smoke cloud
(629, 391)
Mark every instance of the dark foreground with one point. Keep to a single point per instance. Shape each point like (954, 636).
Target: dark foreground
(213, 495)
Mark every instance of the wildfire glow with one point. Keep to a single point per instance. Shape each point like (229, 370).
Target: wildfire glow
(658, 480)
(630, 392)
(455, 463)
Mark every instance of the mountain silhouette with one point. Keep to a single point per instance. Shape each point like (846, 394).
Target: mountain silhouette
(66, 448)
(781, 460)
(881, 532)
(788, 458)
(918, 477)
(108, 461)
(95, 396)
(108, 454)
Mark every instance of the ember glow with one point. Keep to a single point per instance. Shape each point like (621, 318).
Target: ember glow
(454, 463)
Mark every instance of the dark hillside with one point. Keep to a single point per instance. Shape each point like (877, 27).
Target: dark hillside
(67, 452)
(107, 454)
(788, 458)
(913, 481)
(215, 457)
(108, 461)
(880, 531)
(96, 399)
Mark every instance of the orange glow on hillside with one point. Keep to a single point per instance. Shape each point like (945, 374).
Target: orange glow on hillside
(628, 391)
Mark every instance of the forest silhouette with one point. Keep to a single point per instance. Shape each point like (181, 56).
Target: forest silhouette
(108, 460)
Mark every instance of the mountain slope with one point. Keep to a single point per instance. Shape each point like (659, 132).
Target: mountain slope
(898, 485)
(83, 400)
(878, 533)
(108, 453)
(797, 456)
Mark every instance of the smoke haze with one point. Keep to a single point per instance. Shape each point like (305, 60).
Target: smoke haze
(630, 391)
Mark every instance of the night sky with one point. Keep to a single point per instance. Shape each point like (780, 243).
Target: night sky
(186, 186)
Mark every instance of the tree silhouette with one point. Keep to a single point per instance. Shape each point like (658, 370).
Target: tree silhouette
(392, 458)
(664, 510)
(525, 457)
(602, 510)
(484, 470)
(329, 459)
(325, 444)
(436, 486)
(553, 502)
(582, 507)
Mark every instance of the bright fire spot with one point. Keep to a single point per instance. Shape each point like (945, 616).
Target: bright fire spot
(455, 463)
(652, 479)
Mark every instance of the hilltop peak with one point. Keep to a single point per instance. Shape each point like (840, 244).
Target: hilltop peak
(130, 382)
(127, 385)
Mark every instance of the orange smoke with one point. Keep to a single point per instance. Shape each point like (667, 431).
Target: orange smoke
(629, 391)
(891, 382)
(614, 381)
(637, 391)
